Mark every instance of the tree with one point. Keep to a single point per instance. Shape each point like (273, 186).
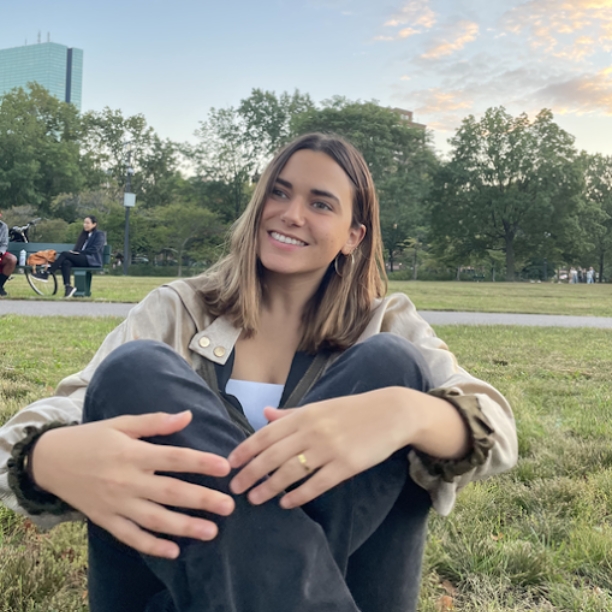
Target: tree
(155, 162)
(236, 144)
(598, 193)
(267, 120)
(400, 159)
(182, 226)
(39, 148)
(510, 183)
(225, 158)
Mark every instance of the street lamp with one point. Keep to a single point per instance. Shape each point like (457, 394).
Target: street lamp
(129, 201)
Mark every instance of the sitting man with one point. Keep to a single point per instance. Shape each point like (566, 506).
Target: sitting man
(8, 262)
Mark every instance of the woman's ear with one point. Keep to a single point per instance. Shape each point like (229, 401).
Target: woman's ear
(356, 235)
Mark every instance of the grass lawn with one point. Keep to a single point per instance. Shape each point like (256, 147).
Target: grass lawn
(549, 298)
(537, 538)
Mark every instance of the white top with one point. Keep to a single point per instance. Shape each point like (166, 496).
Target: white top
(254, 397)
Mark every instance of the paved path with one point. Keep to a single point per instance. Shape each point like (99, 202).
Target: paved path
(75, 308)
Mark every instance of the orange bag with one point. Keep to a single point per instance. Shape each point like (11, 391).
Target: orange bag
(42, 258)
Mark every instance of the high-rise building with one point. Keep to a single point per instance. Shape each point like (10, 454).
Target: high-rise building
(58, 68)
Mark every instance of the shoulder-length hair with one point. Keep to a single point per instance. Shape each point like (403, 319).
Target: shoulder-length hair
(84, 235)
(340, 309)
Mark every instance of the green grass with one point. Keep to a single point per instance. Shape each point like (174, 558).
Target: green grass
(537, 538)
(531, 298)
(534, 298)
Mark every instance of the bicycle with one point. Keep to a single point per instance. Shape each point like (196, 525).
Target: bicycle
(46, 287)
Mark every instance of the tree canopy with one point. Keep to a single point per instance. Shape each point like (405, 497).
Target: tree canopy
(511, 185)
(514, 191)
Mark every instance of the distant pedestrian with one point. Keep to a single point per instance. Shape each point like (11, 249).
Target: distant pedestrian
(573, 277)
(590, 276)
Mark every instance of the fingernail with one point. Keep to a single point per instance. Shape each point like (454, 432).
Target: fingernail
(285, 503)
(171, 552)
(255, 497)
(179, 415)
(208, 532)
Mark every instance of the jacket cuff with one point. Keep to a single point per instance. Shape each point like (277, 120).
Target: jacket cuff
(30, 497)
(480, 433)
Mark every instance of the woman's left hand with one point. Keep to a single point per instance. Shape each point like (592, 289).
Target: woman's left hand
(330, 441)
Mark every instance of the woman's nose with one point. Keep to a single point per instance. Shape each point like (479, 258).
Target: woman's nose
(294, 212)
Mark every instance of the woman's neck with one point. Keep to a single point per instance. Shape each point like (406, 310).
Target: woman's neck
(287, 297)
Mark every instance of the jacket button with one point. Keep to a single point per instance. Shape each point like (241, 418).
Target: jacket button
(219, 351)
(204, 342)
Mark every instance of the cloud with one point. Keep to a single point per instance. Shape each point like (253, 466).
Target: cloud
(465, 32)
(415, 13)
(406, 32)
(435, 100)
(568, 29)
(589, 93)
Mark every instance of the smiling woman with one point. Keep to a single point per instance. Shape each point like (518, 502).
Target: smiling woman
(271, 434)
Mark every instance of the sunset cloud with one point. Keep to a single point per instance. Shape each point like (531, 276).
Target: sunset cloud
(581, 95)
(414, 13)
(568, 29)
(406, 32)
(522, 54)
(462, 34)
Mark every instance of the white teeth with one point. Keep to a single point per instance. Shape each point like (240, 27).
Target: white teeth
(286, 239)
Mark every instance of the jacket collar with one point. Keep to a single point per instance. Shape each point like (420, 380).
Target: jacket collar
(216, 341)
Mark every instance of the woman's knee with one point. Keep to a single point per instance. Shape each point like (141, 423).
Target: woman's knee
(389, 357)
(138, 359)
(133, 375)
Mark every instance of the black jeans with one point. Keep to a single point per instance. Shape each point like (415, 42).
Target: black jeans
(66, 261)
(357, 547)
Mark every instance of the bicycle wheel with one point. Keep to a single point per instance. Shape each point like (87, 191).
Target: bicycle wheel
(42, 287)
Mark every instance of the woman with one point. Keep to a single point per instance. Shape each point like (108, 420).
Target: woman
(325, 507)
(87, 253)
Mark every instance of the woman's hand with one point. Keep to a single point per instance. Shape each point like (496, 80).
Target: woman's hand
(103, 470)
(336, 439)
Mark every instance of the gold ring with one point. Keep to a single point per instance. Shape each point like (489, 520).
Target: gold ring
(304, 463)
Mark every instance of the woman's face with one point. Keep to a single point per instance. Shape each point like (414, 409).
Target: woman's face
(306, 221)
(88, 224)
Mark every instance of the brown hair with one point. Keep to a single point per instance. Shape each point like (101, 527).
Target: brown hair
(340, 309)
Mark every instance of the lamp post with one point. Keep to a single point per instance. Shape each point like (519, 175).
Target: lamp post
(129, 201)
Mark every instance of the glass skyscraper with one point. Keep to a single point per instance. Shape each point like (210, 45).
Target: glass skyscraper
(58, 68)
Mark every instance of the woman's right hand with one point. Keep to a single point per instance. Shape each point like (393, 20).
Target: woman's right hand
(106, 472)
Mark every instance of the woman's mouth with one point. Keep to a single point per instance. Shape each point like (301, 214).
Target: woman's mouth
(287, 239)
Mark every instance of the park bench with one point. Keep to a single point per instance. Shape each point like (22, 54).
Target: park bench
(82, 276)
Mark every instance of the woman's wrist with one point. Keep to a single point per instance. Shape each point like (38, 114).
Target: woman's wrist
(431, 424)
(30, 491)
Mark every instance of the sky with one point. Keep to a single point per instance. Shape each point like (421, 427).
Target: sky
(442, 59)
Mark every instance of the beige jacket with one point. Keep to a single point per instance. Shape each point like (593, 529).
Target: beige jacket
(173, 314)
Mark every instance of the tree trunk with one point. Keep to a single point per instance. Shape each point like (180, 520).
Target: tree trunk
(458, 273)
(601, 267)
(415, 265)
(509, 258)
(390, 260)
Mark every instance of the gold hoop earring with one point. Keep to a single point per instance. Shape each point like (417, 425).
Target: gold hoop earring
(336, 266)
(345, 257)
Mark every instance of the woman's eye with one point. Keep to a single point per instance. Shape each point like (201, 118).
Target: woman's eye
(322, 205)
(278, 193)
